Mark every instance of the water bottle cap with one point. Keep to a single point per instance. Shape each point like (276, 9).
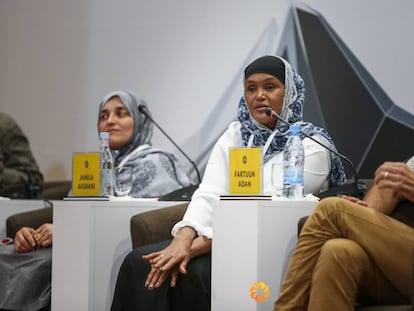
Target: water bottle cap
(294, 129)
(104, 135)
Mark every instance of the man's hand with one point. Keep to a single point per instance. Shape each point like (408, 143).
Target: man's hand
(398, 177)
(355, 200)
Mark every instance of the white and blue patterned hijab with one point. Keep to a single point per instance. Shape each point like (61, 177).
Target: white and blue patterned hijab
(143, 127)
(154, 171)
(292, 111)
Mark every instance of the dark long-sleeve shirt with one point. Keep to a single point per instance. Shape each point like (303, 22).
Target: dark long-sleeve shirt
(16, 158)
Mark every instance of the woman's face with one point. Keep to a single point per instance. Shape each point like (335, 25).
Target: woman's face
(262, 91)
(115, 119)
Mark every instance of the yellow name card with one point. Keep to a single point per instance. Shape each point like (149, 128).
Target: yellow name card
(85, 174)
(245, 170)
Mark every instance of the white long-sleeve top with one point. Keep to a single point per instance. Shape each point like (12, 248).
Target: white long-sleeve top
(199, 214)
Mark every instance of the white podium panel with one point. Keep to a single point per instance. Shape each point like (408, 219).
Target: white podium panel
(252, 242)
(90, 241)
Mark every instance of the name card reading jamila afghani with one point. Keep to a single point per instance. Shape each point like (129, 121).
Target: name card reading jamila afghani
(245, 170)
(85, 174)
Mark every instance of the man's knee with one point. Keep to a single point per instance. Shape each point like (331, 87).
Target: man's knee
(329, 204)
(324, 210)
(343, 251)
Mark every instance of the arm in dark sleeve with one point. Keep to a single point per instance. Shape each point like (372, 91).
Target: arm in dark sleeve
(15, 155)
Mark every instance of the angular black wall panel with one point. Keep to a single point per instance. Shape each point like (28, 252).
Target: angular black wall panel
(344, 98)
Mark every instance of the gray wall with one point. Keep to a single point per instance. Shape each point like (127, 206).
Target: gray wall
(58, 58)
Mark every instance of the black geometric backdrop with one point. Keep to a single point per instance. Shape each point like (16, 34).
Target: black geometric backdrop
(343, 97)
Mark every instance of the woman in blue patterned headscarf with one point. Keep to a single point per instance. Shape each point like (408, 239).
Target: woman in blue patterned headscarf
(154, 171)
(181, 267)
(274, 134)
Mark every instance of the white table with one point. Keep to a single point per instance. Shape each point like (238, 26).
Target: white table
(10, 207)
(90, 240)
(253, 241)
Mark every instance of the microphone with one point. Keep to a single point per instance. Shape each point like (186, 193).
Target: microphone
(185, 193)
(354, 189)
(26, 191)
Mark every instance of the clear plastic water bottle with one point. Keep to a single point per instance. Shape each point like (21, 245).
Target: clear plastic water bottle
(293, 160)
(107, 166)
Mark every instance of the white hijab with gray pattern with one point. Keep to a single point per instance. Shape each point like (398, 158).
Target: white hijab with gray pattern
(154, 171)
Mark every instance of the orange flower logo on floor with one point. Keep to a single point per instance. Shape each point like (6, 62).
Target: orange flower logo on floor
(259, 291)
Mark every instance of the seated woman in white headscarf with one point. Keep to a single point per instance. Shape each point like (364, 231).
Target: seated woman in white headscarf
(154, 171)
(25, 266)
(175, 274)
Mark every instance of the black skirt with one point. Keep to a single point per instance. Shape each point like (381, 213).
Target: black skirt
(192, 291)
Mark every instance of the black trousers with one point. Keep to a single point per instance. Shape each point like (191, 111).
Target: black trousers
(192, 291)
